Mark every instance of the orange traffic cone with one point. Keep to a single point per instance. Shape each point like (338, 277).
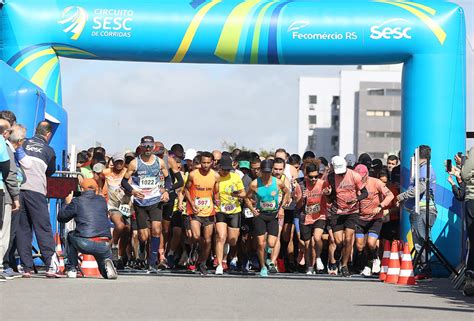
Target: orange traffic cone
(385, 259)
(400, 250)
(59, 252)
(89, 266)
(406, 276)
(393, 265)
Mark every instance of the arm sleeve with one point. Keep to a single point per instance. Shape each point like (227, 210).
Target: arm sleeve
(67, 212)
(179, 181)
(126, 185)
(168, 182)
(51, 166)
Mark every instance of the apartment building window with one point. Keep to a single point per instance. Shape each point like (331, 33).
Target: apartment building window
(336, 102)
(383, 113)
(312, 142)
(313, 99)
(335, 141)
(382, 134)
(384, 92)
(375, 92)
(312, 119)
(393, 92)
(335, 121)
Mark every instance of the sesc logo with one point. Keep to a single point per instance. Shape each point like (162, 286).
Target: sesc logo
(388, 31)
(75, 19)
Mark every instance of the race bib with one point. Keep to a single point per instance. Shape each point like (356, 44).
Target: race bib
(203, 202)
(312, 209)
(267, 206)
(125, 210)
(226, 208)
(248, 213)
(148, 182)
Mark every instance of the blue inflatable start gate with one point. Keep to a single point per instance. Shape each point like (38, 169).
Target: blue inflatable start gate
(427, 36)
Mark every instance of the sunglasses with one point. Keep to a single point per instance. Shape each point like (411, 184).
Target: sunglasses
(148, 146)
(313, 177)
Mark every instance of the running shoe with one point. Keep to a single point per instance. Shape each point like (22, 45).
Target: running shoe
(272, 268)
(9, 274)
(367, 271)
(376, 266)
(171, 261)
(246, 266)
(152, 269)
(422, 276)
(219, 270)
(224, 266)
(264, 271)
(2, 278)
(319, 266)
(310, 271)
(162, 265)
(54, 273)
(203, 268)
(72, 274)
(110, 269)
(345, 272)
(233, 264)
(183, 259)
(332, 269)
(191, 267)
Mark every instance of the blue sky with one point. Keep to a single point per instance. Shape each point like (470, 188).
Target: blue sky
(199, 106)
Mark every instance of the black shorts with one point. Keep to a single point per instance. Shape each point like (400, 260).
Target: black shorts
(204, 220)
(340, 222)
(177, 219)
(266, 223)
(152, 213)
(289, 216)
(246, 225)
(390, 230)
(306, 231)
(167, 210)
(186, 219)
(232, 220)
(372, 228)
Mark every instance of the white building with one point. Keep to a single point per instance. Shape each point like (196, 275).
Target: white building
(328, 122)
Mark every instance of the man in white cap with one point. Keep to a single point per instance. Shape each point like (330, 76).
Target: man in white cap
(345, 190)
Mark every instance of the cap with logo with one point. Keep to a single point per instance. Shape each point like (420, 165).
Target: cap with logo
(226, 163)
(244, 164)
(339, 164)
(266, 166)
(148, 140)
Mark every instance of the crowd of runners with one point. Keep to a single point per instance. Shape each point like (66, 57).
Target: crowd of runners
(241, 212)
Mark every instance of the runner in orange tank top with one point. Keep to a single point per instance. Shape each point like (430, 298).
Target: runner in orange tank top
(200, 191)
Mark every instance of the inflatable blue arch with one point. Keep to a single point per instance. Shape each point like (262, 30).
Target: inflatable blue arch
(427, 36)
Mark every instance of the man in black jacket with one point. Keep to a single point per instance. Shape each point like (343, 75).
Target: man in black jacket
(92, 234)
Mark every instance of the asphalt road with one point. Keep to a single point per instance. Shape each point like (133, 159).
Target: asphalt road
(152, 297)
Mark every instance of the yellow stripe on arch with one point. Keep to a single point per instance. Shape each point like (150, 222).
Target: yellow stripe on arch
(33, 57)
(230, 36)
(430, 10)
(40, 76)
(433, 25)
(73, 50)
(56, 92)
(191, 31)
(256, 34)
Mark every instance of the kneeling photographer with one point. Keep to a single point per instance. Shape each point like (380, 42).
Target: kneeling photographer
(92, 233)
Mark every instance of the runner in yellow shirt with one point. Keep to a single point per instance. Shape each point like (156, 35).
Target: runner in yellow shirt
(231, 191)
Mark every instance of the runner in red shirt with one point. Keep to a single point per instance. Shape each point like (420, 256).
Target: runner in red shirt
(371, 219)
(345, 190)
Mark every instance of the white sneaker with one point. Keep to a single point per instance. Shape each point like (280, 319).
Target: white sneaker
(376, 266)
(110, 269)
(366, 271)
(72, 274)
(310, 271)
(319, 264)
(219, 270)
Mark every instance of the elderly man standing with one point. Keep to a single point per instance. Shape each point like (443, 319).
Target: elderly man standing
(34, 213)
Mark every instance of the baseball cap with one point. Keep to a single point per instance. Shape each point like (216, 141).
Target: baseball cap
(147, 140)
(177, 150)
(244, 164)
(226, 163)
(159, 149)
(190, 154)
(339, 164)
(118, 157)
(362, 170)
(89, 184)
(266, 166)
(350, 159)
(365, 159)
